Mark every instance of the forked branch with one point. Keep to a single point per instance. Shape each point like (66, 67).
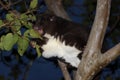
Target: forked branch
(93, 61)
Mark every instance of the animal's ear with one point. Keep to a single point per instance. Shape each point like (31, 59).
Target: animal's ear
(48, 17)
(52, 18)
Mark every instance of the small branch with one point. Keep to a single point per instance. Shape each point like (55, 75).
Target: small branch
(4, 6)
(5, 24)
(7, 7)
(113, 26)
(64, 70)
(111, 54)
(27, 70)
(16, 2)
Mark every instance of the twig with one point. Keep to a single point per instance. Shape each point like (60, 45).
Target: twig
(16, 2)
(64, 70)
(4, 6)
(114, 26)
(27, 70)
(5, 24)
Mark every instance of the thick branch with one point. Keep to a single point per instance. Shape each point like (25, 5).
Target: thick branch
(111, 54)
(90, 63)
(57, 8)
(99, 26)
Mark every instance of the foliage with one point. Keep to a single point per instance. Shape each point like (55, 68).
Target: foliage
(13, 23)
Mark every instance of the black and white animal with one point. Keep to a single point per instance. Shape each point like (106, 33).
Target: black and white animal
(61, 38)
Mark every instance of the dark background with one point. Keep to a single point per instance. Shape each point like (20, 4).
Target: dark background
(29, 67)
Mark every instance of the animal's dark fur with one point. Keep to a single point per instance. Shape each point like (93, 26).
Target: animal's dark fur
(70, 32)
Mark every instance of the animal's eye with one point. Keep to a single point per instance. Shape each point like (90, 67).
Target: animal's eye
(51, 19)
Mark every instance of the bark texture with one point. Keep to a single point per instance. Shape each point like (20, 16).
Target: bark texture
(93, 60)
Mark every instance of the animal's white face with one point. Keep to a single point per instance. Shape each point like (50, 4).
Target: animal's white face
(55, 48)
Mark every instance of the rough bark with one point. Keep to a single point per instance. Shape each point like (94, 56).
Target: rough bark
(64, 70)
(93, 61)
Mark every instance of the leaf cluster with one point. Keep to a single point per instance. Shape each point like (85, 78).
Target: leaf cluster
(14, 22)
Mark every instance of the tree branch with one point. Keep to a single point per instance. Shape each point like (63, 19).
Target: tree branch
(113, 26)
(90, 63)
(99, 26)
(111, 54)
(26, 72)
(57, 8)
(64, 70)
(4, 6)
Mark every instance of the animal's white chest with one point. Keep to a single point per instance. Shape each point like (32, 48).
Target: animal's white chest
(55, 48)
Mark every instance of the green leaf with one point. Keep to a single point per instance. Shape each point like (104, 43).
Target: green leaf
(15, 38)
(32, 33)
(32, 17)
(23, 44)
(1, 46)
(33, 4)
(27, 33)
(24, 17)
(2, 38)
(1, 22)
(19, 32)
(1, 42)
(38, 50)
(24, 20)
(27, 24)
(9, 17)
(9, 40)
(17, 25)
